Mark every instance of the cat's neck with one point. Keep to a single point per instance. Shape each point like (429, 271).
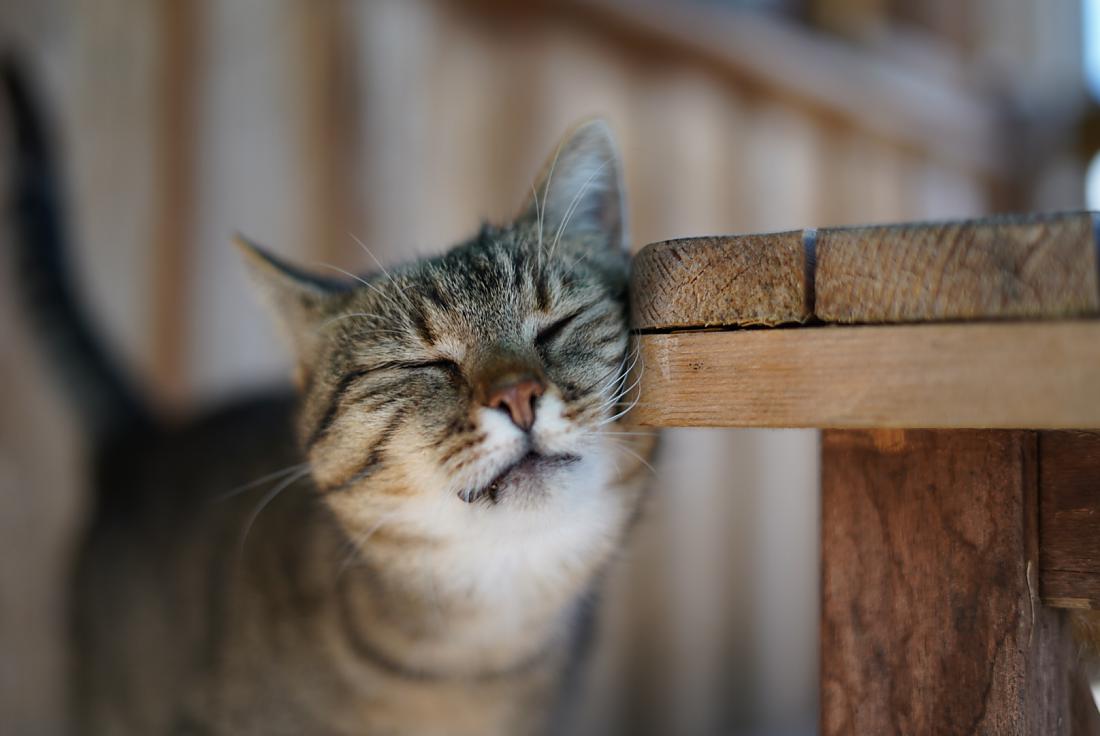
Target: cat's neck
(415, 629)
(409, 616)
(494, 592)
(405, 606)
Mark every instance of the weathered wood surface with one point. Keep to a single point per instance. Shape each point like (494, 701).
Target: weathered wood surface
(748, 280)
(1040, 375)
(1069, 530)
(931, 620)
(1007, 267)
(1070, 589)
(1002, 268)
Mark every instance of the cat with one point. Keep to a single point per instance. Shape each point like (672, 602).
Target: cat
(409, 544)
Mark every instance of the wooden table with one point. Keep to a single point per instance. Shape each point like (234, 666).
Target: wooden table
(955, 368)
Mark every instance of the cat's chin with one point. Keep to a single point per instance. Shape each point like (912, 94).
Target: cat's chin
(524, 474)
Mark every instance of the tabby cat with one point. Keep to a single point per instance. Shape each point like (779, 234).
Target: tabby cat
(410, 545)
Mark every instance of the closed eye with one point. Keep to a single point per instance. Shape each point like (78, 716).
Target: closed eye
(352, 379)
(445, 364)
(552, 330)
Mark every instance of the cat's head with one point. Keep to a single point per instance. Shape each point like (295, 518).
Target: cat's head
(477, 388)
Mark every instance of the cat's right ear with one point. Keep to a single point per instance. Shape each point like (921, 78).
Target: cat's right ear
(579, 192)
(301, 301)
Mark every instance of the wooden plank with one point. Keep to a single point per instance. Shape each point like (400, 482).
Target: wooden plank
(1008, 267)
(1069, 532)
(175, 207)
(747, 280)
(931, 621)
(989, 375)
(1028, 266)
(1070, 589)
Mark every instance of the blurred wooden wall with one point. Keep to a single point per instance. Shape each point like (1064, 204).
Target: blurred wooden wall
(405, 123)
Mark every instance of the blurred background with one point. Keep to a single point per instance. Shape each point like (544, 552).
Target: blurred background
(405, 123)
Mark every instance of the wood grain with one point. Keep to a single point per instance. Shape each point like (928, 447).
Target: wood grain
(1029, 266)
(931, 623)
(1070, 589)
(1008, 267)
(1069, 531)
(990, 375)
(731, 280)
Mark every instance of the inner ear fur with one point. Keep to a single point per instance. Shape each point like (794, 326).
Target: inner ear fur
(579, 190)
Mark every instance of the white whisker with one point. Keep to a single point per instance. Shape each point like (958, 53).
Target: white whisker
(374, 258)
(618, 392)
(339, 318)
(569, 212)
(546, 199)
(358, 544)
(617, 375)
(538, 219)
(584, 256)
(260, 481)
(634, 403)
(640, 459)
(618, 397)
(267, 499)
(349, 274)
(389, 299)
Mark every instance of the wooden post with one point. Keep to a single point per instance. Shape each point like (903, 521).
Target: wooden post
(939, 547)
(1069, 520)
(931, 618)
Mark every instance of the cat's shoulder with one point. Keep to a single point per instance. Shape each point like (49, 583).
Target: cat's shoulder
(207, 456)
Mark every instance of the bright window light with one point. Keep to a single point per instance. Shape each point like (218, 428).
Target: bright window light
(1090, 24)
(1092, 183)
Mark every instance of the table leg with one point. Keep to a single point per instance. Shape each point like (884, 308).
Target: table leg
(931, 620)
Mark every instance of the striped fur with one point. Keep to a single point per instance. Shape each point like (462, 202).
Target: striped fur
(409, 560)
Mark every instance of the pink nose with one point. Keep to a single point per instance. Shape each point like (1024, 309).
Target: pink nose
(518, 399)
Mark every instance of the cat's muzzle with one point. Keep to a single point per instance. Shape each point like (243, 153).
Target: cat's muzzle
(529, 466)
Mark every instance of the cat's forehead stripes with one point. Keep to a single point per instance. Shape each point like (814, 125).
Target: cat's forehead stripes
(482, 290)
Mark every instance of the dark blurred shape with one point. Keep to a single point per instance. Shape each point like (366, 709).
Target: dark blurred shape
(93, 381)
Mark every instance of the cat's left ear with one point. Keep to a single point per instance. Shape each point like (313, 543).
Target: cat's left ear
(579, 192)
(301, 301)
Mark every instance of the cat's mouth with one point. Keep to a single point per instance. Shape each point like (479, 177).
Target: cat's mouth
(527, 466)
